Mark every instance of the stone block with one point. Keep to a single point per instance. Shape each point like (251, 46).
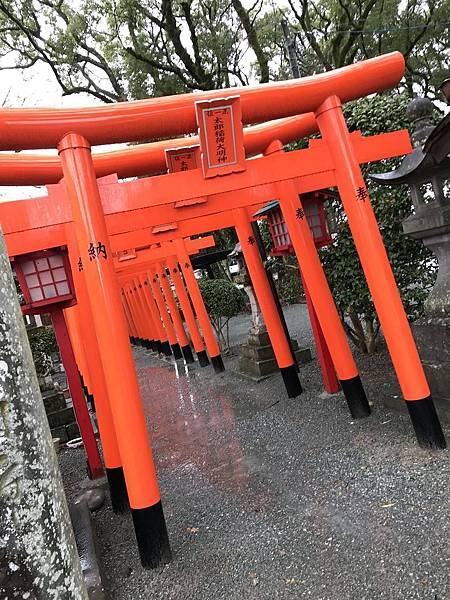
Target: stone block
(303, 355)
(258, 368)
(433, 339)
(73, 431)
(259, 339)
(257, 352)
(61, 433)
(53, 401)
(61, 417)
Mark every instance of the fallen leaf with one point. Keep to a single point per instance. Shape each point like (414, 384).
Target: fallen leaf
(192, 529)
(388, 505)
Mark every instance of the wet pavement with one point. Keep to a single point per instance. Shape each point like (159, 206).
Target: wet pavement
(267, 497)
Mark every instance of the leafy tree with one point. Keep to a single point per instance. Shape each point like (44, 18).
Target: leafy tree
(118, 50)
(129, 49)
(413, 264)
(223, 301)
(333, 34)
(43, 344)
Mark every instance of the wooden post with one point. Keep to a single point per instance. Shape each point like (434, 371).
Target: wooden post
(116, 356)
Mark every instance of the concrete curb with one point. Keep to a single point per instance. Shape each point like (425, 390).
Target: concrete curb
(87, 548)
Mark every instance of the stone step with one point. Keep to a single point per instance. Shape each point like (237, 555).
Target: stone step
(53, 401)
(258, 368)
(66, 432)
(303, 355)
(257, 352)
(61, 417)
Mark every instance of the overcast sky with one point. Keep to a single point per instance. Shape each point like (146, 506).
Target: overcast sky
(35, 87)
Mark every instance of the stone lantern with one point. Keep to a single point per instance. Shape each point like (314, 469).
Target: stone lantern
(427, 172)
(257, 358)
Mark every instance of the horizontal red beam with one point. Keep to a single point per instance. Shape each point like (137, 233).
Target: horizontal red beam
(22, 128)
(145, 159)
(130, 207)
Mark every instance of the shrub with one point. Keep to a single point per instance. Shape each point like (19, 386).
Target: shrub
(43, 345)
(223, 301)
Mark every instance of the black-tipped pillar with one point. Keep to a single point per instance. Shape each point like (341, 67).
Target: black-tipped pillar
(356, 397)
(117, 490)
(217, 363)
(291, 381)
(187, 354)
(166, 349)
(203, 359)
(426, 423)
(151, 535)
(158, 346)
(176, 350)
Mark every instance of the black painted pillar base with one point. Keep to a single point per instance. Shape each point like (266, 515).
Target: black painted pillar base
(217, 363)
(203, 359)
(356, 397)
(291, 381)
(158, 346)
(151, 535)
(117, 490)
(426, 423)
(148, 344)
(131, 340)
(176, 350)
(166, 349)
(187, 353)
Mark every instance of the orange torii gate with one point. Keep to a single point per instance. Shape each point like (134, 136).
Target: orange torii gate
(337, 162)
(140, 266)
(183, 215)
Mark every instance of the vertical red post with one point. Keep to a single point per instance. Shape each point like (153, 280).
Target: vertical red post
(81, 318)
(165, 316)
(174, 313)
(320, 294)
(130, 322)
(379, 276)
(199, 306)
(134, 313)
(188, 313)
(95, 468)
(275, 329)
(330, 381)
(161, 342)
(142, 328)
(116, 356)
(146, 315)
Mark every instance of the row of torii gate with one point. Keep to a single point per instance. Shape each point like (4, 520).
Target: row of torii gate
(127, 240)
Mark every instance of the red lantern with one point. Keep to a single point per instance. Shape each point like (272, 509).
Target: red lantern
(45, 278)
(314, 206)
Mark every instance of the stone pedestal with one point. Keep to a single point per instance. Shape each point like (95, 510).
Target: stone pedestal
(257, 357)
(431, 224)
(433, 340)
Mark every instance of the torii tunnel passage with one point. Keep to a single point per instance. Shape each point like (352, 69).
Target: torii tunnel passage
(116, 216)
(144, 262)
(201, 214)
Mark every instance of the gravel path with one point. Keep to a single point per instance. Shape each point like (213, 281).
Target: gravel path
(270, 498)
